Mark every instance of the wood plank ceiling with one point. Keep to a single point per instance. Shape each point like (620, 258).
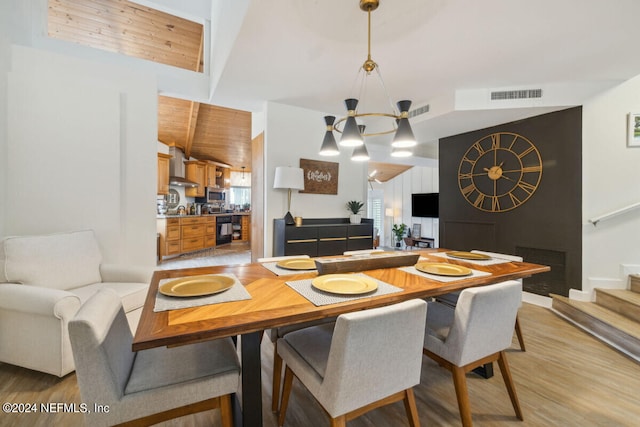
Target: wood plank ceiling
(383, 172)
(203, 131)
(130, 29)
(219, 134)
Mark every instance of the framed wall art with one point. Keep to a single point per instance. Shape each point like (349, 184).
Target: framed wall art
(416, 232)
(320, 177)
(633, 130)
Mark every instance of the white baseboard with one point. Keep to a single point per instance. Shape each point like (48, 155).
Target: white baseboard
(579, 295)
(536, 299)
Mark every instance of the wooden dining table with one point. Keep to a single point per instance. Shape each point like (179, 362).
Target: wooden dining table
(273, 304)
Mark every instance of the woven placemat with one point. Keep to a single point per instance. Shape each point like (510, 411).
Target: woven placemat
(491, 261)
(318, 297)
(273, 267)
(413, 270)
(237, 292)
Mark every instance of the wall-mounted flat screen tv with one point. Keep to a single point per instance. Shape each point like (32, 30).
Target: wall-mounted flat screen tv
(424, 205)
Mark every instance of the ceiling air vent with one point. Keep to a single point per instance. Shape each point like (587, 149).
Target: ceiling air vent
(419, 110)
(516, 94)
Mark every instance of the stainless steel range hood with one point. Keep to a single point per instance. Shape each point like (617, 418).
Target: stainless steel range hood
(176, 169)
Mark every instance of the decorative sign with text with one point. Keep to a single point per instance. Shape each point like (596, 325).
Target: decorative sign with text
(319, 177)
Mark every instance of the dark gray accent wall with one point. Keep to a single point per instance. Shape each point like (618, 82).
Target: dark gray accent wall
(547, 227)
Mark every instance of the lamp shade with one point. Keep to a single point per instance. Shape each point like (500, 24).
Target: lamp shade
(289, 177)
(360, 153)
(404, 135)
(401, 152)
(329, 146)
(351, 136)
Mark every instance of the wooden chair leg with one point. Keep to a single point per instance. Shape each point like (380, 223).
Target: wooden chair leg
(410, 407)
(460, 383)
(277, 373)
(508, 381)
(519, 334)
(286, 391)
(341, 421)
(226, 412)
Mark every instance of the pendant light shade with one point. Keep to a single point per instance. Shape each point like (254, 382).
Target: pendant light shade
(351, 136)
(329, 144)
(401, 152)
(404, 135)
(360, 153)
(384, 121)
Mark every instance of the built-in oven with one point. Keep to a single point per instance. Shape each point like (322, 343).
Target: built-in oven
(224, 229)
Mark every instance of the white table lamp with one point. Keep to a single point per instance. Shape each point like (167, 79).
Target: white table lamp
(292, 179)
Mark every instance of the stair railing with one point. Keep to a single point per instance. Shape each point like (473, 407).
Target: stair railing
(611, 214)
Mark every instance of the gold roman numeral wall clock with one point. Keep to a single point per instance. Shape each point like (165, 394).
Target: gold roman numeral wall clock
(499, 172)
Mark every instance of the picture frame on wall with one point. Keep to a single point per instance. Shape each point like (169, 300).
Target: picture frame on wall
(633, 130)
(320, 177)
(416, 232)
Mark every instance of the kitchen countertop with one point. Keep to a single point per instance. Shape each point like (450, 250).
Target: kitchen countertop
(205, 215)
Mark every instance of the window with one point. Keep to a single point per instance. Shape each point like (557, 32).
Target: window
(240, 196)
(375, 210)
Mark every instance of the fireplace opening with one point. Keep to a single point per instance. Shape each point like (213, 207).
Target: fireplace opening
(551, 282)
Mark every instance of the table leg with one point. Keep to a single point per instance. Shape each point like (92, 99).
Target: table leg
(485, 371)
(251, 380)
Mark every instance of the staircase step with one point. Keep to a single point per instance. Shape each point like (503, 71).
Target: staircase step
(634, 282)
(620, 332)
(621, 301)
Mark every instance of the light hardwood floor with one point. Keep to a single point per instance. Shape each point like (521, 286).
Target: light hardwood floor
(566, 378)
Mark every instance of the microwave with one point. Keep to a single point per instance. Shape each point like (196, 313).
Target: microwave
(212, 195)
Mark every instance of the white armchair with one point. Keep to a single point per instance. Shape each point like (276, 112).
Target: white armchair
(43, 282)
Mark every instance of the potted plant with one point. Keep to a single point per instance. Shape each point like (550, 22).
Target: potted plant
(399, 230)
(355, 208)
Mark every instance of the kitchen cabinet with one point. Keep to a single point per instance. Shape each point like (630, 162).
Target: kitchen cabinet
(210, 174)
(241, 227)
(209, 232)
(226, 178)
(169, 230)
(222, 177)
(321, 237)
(246, 228)
(192, 234)
(195, 171)
(186, 234)
(163, 173)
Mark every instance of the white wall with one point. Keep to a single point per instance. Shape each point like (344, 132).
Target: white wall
(611, 250)
(4, 68)
(293, 133)
(81, 152)
(397, 196)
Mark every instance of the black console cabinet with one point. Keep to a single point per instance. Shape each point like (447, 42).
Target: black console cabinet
(322, 236)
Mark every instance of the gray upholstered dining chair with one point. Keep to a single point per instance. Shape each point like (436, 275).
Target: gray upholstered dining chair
(452, 297)
(475, 332)
(148, 386)
(364, 360)
(280, 332)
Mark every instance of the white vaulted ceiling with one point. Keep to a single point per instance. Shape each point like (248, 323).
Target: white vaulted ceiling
(449, 54)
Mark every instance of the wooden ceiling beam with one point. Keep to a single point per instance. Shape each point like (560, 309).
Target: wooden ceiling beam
(191, 127)
(194, 107)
